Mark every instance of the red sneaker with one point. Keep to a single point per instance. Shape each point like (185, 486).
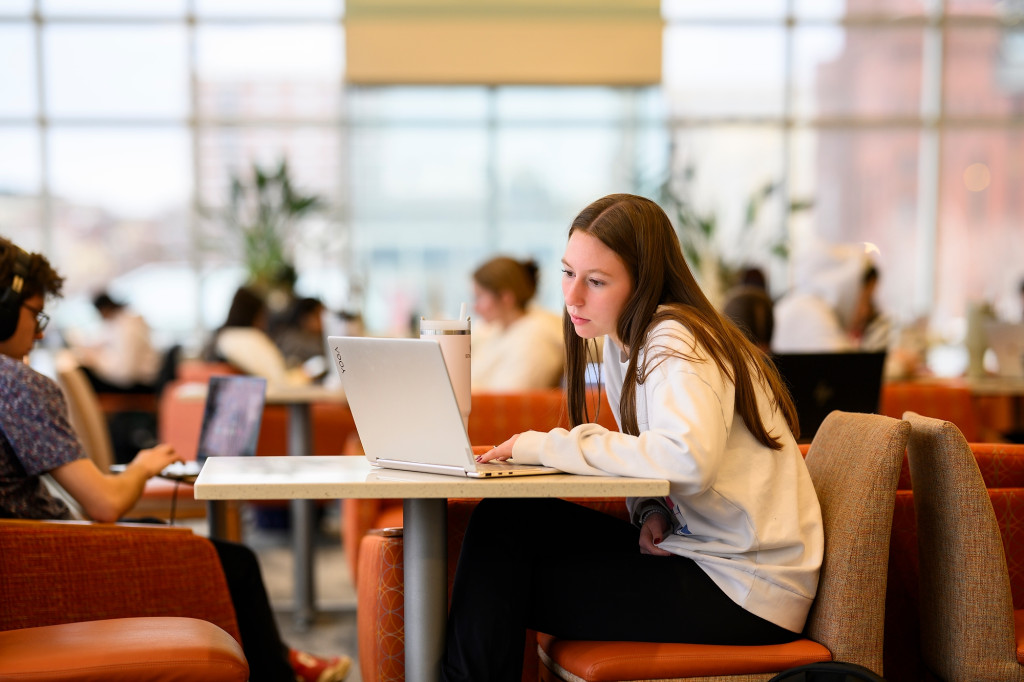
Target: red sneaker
(310, 668)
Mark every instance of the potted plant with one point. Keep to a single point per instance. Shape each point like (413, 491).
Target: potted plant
(263, 209)
(699, 235)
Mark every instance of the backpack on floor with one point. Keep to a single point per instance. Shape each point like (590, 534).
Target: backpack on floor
(830, 671)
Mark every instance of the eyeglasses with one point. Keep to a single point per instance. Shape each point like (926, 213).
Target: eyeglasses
(42, 319)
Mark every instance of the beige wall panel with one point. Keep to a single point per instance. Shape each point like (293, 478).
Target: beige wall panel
(610, 51)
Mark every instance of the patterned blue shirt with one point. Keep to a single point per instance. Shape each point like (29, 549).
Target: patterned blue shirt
(35, 438)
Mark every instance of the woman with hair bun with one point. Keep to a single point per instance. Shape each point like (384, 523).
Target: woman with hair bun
(520, 348)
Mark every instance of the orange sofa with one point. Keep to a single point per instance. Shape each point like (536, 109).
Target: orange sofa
(75, 599)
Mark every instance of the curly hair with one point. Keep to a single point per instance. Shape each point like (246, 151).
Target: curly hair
(41, 278)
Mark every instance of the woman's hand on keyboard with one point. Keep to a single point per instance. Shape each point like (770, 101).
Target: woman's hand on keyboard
(499, 453)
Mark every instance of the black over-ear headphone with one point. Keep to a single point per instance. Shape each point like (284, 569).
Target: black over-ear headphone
(13, 294)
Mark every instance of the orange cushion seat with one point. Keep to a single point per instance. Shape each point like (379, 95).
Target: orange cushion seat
(613, 661)
(1018, 626)
(128, 649)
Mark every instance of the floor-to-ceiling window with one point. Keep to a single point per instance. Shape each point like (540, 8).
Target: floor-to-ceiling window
(895, 123)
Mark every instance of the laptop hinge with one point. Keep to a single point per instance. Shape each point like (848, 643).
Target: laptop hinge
(423, 468)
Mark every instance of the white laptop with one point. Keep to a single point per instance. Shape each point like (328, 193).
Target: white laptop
(405, 409)
(1007, 342)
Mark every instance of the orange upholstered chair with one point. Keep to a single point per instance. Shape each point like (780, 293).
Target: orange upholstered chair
(969, 628)
(854, 461)
(82, 601)
(939, 400)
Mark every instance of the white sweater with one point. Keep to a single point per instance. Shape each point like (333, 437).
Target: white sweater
(748, 515)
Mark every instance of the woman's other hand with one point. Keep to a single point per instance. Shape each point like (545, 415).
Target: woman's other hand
(652, 533)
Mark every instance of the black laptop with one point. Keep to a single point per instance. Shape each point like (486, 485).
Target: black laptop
(823, 382)
(231, 424)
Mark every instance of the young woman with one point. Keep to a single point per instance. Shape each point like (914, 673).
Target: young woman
(522, 348)
(731, 556)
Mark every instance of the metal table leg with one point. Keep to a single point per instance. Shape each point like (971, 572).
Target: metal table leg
(300, 444)
(216, 518)
(426, 587)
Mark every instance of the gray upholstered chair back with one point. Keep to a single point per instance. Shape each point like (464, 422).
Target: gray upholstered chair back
(967, 618)
(854, 461)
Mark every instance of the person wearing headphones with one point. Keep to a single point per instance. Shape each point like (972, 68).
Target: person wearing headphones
(36, 438)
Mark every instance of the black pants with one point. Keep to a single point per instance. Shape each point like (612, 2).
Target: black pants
(576, 573)
(266, 653)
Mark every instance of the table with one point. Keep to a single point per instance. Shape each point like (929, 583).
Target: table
(425, 516)
(298, 400)
(300, 443)
(996, 402)
(999, 402)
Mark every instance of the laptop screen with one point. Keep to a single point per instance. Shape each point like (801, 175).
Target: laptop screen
(232, 416)
(822, 382)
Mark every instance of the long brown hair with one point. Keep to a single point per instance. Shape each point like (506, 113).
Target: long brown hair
(663, 288)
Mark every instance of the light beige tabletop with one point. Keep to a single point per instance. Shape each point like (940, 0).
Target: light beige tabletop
(283, 478)
(996, 385)
(277, 394)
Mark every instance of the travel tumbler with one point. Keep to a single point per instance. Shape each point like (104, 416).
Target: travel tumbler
(454, 337)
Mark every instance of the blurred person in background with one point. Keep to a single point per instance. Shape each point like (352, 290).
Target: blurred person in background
(37, 440)
(242, 341)
(121, 359)
(752, 309)
(830, 307)
(299, 334)
(753, 276)
(520, 346)
(871, 329)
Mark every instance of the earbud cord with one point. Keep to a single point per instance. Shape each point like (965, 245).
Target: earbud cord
(174, 500)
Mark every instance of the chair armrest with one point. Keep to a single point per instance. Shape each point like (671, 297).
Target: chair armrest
(123, 649)
(54, 572)
(380, 616)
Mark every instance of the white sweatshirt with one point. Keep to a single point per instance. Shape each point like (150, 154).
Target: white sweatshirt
(748, 515)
